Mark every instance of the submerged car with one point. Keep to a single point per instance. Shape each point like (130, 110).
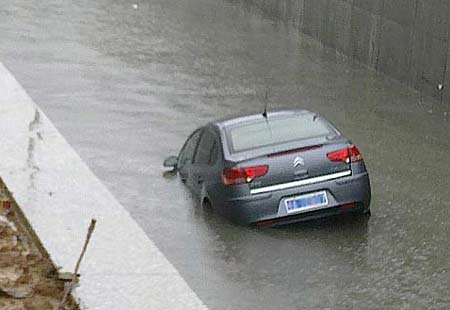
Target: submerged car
(274, 168)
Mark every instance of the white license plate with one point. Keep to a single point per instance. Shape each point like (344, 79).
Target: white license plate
(306, 202)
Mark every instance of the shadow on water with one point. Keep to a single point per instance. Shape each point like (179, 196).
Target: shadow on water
(355, 224)
(347, 226)
(327, 234)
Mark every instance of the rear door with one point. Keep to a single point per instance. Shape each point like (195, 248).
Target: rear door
(205, 169)
(186, 157)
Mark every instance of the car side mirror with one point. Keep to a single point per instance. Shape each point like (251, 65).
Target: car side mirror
(171, 162)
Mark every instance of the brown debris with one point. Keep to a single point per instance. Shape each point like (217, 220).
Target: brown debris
(28, 279)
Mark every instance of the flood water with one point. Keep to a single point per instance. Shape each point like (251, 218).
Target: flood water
(126, 86)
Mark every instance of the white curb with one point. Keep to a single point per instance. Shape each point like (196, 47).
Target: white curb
(59, 195)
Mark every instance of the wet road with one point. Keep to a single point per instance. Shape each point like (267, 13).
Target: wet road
(125, 86)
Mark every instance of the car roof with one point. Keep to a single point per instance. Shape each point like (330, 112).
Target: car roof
(223, 125)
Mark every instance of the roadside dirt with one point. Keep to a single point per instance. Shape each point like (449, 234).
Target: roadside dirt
(28, 279)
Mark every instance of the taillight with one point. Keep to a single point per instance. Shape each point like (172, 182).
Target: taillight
(355, 155)
(238, 175)
(349, 154)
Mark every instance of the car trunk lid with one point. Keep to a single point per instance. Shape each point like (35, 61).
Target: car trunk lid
(306, 162)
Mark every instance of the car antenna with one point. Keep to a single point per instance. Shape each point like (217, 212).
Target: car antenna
(264, 114)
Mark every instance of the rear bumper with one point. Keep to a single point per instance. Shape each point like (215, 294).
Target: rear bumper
(345, 191)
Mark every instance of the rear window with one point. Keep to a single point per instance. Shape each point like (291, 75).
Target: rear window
(276, 130)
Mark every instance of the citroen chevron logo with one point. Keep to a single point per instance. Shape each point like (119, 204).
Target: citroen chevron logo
(298, 161)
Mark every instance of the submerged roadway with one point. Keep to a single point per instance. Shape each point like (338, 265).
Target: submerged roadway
(125, 84)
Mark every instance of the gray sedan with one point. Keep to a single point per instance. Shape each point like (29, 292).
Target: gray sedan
(274, 168)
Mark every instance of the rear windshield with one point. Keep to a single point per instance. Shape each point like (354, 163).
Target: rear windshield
(276, 130)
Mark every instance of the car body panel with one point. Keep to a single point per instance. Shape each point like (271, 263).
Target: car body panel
(269, 206)
(294, 169)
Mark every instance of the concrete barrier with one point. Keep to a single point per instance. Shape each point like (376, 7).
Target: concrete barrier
(59, 195)
(406, 39)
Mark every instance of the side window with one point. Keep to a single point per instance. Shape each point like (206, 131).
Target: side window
(188, 150)
(204, 148)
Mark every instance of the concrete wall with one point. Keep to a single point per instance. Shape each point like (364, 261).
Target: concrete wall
(406, 39)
